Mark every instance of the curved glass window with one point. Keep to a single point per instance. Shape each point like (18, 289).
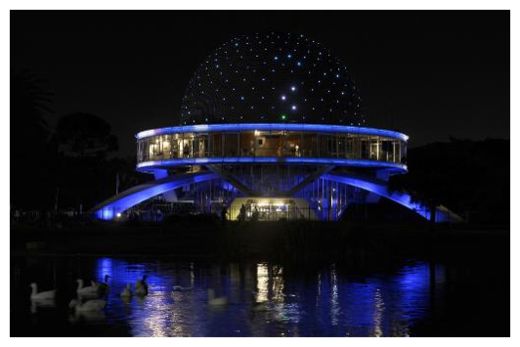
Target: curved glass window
(271, 144)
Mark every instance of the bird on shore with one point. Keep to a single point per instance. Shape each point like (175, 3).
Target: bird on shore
(141, 287)
(89, 305)
(45, 295)
(90, 291)
(214, 301)
(127, 292)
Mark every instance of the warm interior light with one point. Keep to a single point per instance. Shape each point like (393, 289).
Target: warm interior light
(263, 203)
(274, 203)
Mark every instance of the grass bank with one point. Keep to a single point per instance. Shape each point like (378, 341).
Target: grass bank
(287, 241)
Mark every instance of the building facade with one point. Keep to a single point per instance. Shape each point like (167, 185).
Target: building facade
(272, 128)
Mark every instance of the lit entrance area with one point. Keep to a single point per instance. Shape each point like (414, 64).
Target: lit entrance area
(270, 209)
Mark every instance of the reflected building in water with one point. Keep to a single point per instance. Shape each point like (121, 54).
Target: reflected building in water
(269, 300)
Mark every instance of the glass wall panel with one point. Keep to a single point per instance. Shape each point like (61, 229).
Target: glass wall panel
(271, 144)
(215, 141)
(247, 144)
(231, 144)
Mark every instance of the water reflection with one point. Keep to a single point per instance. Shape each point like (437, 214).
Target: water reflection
(263, 301)
(379, 307)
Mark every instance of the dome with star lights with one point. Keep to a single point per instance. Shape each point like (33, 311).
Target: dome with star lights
(269, 78)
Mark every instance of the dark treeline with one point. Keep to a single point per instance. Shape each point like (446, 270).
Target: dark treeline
(69, 166)
(471, 178)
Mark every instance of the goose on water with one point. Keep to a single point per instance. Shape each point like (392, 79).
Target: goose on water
(102, 287)
(45, 303)
(127, 292)
(91, 291)
(141, 287)
(88, 316)
(46, 295)
(214, 301)
(89, 305)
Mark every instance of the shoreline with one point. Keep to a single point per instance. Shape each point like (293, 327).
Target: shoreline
(263, 241)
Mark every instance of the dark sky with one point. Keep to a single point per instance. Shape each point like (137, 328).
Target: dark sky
(430, 74)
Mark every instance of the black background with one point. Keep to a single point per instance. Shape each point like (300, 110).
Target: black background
(431, 74)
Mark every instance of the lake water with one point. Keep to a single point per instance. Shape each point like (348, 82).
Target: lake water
(264, 299)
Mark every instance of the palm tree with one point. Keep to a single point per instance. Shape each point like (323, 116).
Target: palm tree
(30, 104)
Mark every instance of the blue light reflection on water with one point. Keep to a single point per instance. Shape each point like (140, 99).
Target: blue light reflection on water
(263, 301)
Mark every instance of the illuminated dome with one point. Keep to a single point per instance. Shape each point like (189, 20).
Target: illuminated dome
(273, 77)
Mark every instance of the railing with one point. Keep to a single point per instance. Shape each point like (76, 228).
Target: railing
(159, 213)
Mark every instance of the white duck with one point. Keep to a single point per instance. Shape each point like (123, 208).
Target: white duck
(87, 306)
(46, 295)
(127, 292)
(91, 291)
(214, 301)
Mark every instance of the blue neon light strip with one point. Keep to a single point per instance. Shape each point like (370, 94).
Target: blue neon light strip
(320, 128)
(381, 189)
(109, 209)
(271, 160)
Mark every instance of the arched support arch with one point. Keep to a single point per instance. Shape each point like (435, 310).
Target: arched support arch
(109, 209)
(381, 188)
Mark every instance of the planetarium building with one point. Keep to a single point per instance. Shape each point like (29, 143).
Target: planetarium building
(271, 128)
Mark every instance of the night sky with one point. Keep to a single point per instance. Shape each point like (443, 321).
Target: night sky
(430, 74)
(272, 77)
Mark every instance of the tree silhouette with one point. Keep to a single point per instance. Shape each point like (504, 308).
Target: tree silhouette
(83, 143)
(423, 188)
(30, 164)
(470, 178)
(84, 135)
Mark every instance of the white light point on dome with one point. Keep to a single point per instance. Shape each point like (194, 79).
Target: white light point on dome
(230, 77)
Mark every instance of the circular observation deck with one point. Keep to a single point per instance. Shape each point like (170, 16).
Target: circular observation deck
(271, 143)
